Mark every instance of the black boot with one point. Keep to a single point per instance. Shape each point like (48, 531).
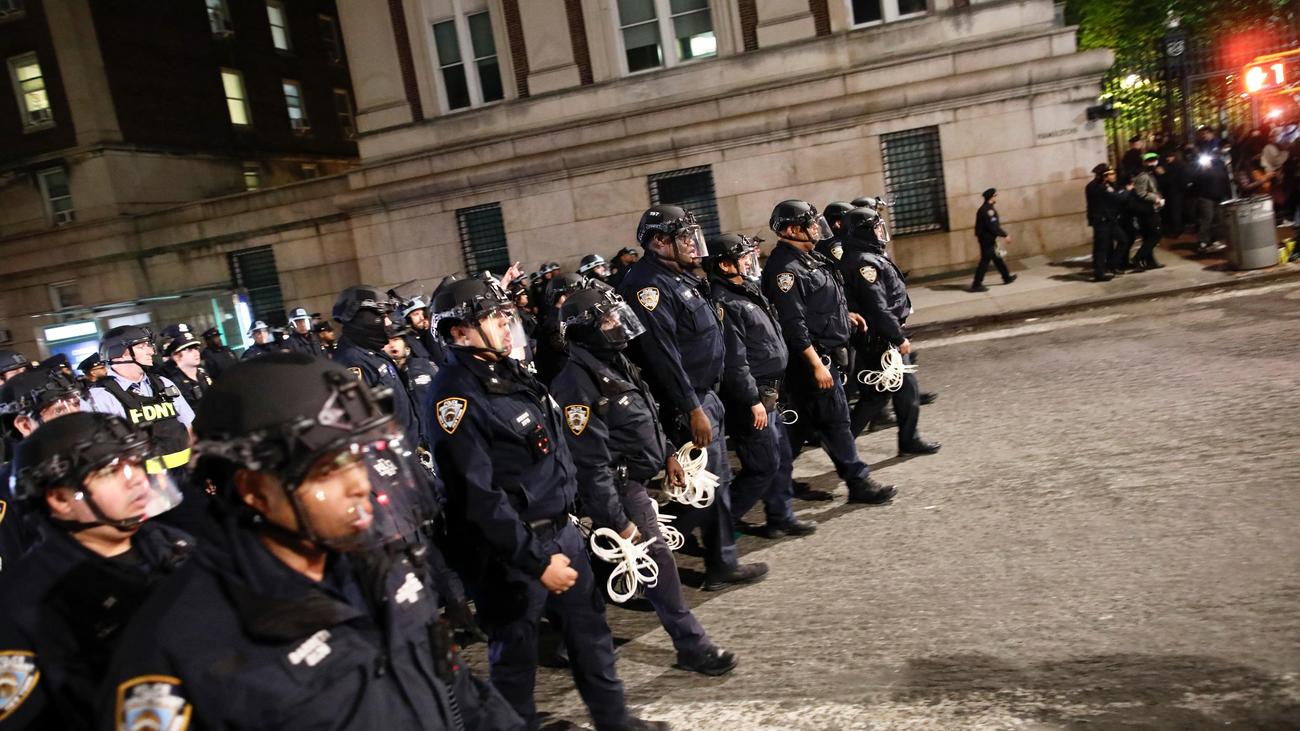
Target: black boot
(870, 492)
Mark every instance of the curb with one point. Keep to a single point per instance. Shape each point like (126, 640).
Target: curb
(944, 326)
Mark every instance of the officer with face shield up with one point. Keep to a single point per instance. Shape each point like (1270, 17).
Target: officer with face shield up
(64, 605)
(612, 426)
(510, 486)
(682, 355)
(808, 294)
(876, 291)
(304, 606)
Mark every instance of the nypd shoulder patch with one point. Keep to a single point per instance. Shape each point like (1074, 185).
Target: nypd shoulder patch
(356, 371)
(837, 251)
(868, 273)
(648, 297)
(152, 702)
(18, 678)
(4, 508)
(450, 411)
(784, 281)
(576, 417)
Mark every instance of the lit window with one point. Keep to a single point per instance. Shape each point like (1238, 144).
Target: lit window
(329, 34)
(297, 111)
(252, 176)
(279, 21)
(643, 24)
(343, 107)
(467, 58)
(867, 12)
(219, 18)
(236, 100)
(29, 86)
(58, 196)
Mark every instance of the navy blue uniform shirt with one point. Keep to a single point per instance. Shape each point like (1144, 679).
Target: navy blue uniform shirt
(374, 368)
(756, 350)
(876, 289)
(809, 299)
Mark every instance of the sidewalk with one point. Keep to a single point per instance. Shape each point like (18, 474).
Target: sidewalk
(1063, 281)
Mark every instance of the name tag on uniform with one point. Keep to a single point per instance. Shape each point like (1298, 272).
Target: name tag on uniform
(524, 419)
(688, 293)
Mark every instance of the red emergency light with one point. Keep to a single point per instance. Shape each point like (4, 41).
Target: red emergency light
(1272, 73)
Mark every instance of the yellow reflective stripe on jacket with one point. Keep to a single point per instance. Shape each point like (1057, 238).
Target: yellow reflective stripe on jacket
(157, 465)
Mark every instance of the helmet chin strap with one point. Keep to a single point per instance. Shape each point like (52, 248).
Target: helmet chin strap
(75, 526)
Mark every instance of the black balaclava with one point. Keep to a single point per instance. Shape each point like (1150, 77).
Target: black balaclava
(366, 329)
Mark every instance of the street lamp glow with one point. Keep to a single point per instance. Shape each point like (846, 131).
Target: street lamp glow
(1130, 81)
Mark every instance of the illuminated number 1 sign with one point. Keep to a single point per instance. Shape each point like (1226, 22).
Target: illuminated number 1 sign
(1264, 77)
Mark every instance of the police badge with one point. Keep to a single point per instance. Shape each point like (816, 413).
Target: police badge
(356, 371)
(648, 297)
(576, 417)
(152, 703)
(868, 273)
(18, 677)
(837, 251)
(784, 281)
(450, 412)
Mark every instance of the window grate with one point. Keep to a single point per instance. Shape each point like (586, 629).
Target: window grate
(914, 180)
(691, 189)
(483, 239)
(254, 271)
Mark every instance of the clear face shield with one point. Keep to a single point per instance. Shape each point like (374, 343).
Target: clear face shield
(618, 324)
(749, 266)
(125, 493)
(689, 243)
(361, 494)
(882, 231)
(819, 229)
(503, 332)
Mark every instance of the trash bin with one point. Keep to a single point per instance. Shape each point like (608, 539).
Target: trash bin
(1252, 235)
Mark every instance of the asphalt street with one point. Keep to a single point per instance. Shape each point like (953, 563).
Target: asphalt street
(1110, 538)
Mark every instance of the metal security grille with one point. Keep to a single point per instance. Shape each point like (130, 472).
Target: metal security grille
(483, 239)
(691, 189)
(914, 180)
(253, 270)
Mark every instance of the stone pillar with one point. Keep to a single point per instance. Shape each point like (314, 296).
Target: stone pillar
(551, 64)
(81, 68)
(378, 83)
(783, 21)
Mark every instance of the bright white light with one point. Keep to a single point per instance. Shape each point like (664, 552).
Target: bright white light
(1205, 160)
(705, 44)
(71, 330)
(1274, 114)
(1130, 81)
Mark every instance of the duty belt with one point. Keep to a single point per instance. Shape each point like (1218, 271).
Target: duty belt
(548, 527)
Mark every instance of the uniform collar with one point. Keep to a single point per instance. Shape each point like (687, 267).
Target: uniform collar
(608, 379)
(496, 377)
(683, 275)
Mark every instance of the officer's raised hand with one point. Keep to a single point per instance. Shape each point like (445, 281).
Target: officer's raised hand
(558, 577)
(701, 428)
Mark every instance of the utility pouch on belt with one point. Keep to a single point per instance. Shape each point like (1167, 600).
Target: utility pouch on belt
(768, 395)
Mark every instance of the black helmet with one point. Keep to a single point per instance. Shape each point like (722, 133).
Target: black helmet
(561, 285)
(731, 246)
(29, 392)
(664, 219)
(11, 360)
(800, 214)
(360, 297)
(589, 264)
(626, 251)
(835, 212)
(466, 302)
(865, 224)
(294, 416)
(68, 450)
(598, 317)
(120, 339)
(548, 267)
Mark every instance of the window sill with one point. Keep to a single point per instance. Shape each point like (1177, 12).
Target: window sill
(38, 127)
(13, 17)
(887, 21)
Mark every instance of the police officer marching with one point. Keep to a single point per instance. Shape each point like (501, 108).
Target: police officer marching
(682, 355)
(302, 339)
(756, 362)
(510, 485)
(876, 292)
(833, 247)
(182, 367)
(305, 606)
(364, 314)
(64, 605)
(618, 445)
(808, 294)
(416, 372)
(988, 229)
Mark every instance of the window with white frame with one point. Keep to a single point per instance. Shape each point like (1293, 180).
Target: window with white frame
(29, 86)
(236, 99)
(58, 195)
(870, 12)
(298, 121)
(343, 107)
(279, 20)
(644, 24)
(329, 34)
(467, 60)
(219, 18)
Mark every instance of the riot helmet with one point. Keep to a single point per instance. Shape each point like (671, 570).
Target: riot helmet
(598, 318)
(561, 286)
(127, 344)
(741, 251)
(39, 395)
(834, 213)
(681, 228)
(866, 225)
(12, 362)
(595, 266)
(804, 217)
(482, 306)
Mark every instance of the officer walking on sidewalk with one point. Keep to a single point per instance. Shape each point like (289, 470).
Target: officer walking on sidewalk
(808, 294)
(988, 229)
(510, 487)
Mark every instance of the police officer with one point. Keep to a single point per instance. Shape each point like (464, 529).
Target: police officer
(1106, 206)
(182, 367)
(612, 426)
(217, 358)
(808, 294)
(510, 485)
(415, 371)
(424, 343)
(545, 274)
(988, 229)
(63, 606)
(27, 401)
(264, 342)
(307, 605)
(364, 314)
(551, 353)
(756, 363)
(329, 340)
(593, 266)
(619, 265)
(92, 369)
(11, 364)
(682, 355)
(302, 339)
(876, 291)
(832, 248)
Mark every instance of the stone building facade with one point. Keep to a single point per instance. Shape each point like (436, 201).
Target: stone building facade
(499, 130)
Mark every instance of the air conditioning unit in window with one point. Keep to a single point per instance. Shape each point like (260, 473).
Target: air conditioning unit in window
(40, 116)
(64, 217)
